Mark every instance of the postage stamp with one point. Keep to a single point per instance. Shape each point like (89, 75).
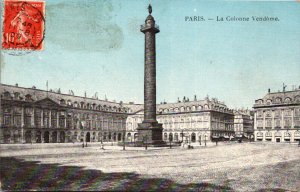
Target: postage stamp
(23, 25)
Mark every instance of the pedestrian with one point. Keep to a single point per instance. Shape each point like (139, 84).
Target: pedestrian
(82, 145)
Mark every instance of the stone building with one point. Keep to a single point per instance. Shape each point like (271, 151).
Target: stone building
(243, 123)
(187, 121)
(30, 115)
(277, 117)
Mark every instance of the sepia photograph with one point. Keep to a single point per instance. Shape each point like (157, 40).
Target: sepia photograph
(150, 95)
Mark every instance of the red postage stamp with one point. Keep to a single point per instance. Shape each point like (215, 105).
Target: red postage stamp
(23, 24)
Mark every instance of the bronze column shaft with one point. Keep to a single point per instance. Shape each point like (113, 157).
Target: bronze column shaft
(150, 78)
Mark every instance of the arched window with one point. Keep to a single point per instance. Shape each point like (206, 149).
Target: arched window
(170, 136)
(69, 102)
(82, 105)
(62, 102)
(181, 109)
(287, 100)
(115, 109)
(176, 137)
(193, 137)
(193, 108)
(16, 95)
(165, 136)
(28, 97)
(278, 100)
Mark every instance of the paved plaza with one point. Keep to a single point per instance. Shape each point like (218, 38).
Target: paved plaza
(226, 167)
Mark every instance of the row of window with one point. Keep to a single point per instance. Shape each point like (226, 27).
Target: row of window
(279, 100)
(278, 134)
(6, 95)
(278, 112)
(287, 122)
(193, 108)
(62, 122)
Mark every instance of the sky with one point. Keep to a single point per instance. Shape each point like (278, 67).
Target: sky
(96, 46)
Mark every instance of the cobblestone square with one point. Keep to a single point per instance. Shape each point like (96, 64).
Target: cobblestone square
(228, 166)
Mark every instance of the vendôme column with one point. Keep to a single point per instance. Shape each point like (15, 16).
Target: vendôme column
(150, 130)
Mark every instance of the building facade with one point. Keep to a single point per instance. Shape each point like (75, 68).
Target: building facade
(30, 115)
(277, 117)
(190, 121)
(244, 123)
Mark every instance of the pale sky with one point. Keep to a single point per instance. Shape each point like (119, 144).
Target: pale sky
(96, 46)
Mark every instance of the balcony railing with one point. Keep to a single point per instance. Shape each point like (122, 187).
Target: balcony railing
(144, 26)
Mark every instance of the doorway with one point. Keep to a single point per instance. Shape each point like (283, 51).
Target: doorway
(88, 137)
(46, 137)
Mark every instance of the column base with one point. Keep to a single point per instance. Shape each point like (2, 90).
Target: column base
(150, 133)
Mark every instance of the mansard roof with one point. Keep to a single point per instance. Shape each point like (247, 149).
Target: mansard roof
(205, 104)
(279, 98)
(34, 95)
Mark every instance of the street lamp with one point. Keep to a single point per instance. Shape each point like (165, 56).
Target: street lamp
(146, 141)
(124, 132)
(200, 139)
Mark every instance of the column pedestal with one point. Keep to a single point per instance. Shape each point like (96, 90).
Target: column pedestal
(150, 133)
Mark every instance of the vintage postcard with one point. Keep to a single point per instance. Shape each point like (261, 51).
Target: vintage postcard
(150, 95)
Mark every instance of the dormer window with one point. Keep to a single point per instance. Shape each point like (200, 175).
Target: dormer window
(82, 105)
(62, 102)
(278, 100)
(287, 100)
(28, 97)
(69, 102)
(16, 95)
